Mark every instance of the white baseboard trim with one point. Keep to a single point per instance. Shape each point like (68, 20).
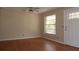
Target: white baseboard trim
(19, 38)
(54, 40)
(59, 42)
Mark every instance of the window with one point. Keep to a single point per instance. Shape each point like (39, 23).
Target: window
(50, 24)
(74, 15)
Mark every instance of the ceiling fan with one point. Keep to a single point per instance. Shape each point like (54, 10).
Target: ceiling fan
(32, 9)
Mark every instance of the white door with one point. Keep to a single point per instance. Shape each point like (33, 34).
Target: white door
(71, 27)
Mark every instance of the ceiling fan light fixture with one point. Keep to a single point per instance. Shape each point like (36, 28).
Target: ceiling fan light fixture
(32, 9)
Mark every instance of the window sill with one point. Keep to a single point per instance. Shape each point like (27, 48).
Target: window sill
(49, 34)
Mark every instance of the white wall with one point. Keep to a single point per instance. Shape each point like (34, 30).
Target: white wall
(15, 23)
(59, 24)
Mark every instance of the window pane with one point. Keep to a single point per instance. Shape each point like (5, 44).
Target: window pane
(77, 13)
(71, 14)
(50, 24)
(52, 21)
(50, 27)
(77, 16)
(74, 15)
(51, 17)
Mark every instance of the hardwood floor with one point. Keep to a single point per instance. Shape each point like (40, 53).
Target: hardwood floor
(35, 44)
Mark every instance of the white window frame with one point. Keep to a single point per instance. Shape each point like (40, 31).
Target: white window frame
(52, 24)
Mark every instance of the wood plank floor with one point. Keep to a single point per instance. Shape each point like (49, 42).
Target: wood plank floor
(35, 44)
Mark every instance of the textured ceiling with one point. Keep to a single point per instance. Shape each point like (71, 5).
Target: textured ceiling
(44, 9)
(41, 9)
